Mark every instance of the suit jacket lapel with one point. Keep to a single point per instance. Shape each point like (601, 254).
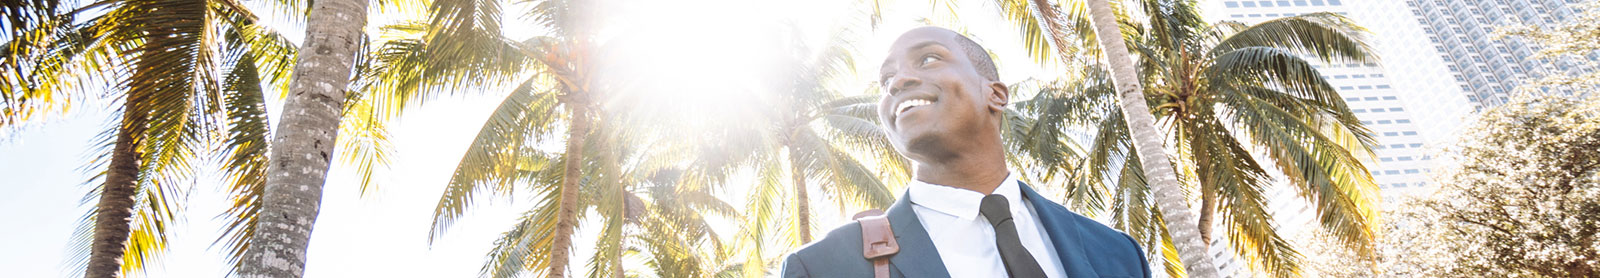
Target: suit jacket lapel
(1063, 232)
(917, 257)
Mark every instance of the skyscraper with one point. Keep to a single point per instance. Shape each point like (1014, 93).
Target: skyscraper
(1461, 32)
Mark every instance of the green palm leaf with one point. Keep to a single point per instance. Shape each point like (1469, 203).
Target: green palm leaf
(1328, 36)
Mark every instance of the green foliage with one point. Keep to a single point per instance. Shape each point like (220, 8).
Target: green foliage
(188, 77)
(1227, 95)
(1521, 200)
(1525, 199)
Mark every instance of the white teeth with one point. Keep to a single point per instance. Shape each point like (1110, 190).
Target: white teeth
(908, 104)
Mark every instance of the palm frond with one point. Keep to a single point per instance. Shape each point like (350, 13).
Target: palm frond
(845, 177)
(762, 213)
(1230, 173)
(1051, 30)
(364, 140)
(1276, 67)
(522, 249)
(502, 149)
(1326, 174)
(867, 138)
(243, 155)
(1325, 35)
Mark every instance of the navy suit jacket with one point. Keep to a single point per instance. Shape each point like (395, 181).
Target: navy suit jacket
(1087, 248)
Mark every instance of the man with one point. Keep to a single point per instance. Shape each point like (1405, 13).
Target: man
(965, 214)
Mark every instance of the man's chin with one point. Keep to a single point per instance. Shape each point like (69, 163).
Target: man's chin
(927, 148)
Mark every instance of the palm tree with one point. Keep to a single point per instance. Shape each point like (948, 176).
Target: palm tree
(174, 105)
(803, 129)
(462, 45)
(302, 149)
(225, 118)
(644, 205)
(1215, 86)
(1045, 28)
(1229, 88)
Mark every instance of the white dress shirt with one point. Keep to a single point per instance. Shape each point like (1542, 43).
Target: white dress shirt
(965, 240)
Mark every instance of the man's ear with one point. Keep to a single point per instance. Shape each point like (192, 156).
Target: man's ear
(999, 96)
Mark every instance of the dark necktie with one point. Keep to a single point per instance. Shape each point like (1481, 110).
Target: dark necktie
(1019, 263)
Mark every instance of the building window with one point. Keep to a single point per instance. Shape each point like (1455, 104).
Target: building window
(1391, 172)
(1412, 171)
(1377, 75)
(1265, 3)
(1364, 87)
(1370, 98)
(1231, 4)
(1416, 145)
(1238, 16)
(1248, 4)
(1377, 110)
(1396, 109)
(1391, 134)
(1385, 87)
(1316, 2)
(1333, 2)
(1383, 122)
(1301, 3)
(1397, 146)
(1403, 158)
(1410, 133)
(1340, 76)
(1346, 88)
(1352, 99)
(1402, 121)
(1358, 110)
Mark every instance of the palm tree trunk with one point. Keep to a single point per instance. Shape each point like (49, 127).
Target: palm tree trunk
(302, 147)
(1208, 207)
(567, 217)
(1147, 142)
(114, 213)
(616, 264)
(802, 202)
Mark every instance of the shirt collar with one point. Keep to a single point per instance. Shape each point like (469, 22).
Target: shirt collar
(960, 202)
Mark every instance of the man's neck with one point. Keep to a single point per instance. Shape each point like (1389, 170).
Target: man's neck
(981, 172)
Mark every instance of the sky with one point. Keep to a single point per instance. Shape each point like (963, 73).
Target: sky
(385, 234)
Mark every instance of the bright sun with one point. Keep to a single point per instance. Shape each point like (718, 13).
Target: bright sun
(695, 59)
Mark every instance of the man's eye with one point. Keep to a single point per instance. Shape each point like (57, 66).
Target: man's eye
(929, 59)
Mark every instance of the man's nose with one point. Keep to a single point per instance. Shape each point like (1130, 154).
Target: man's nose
(904, 82)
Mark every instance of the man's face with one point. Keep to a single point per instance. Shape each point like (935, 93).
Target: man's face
(935, 103)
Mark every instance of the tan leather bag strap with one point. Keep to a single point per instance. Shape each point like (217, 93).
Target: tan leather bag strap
(877, 241)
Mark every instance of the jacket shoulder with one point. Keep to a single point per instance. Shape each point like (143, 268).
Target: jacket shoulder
(839, 254)
(1112, 249)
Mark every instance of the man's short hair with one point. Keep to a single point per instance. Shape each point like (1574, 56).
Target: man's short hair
(979, 56)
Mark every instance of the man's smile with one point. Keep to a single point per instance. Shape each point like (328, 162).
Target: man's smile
(908, 104)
